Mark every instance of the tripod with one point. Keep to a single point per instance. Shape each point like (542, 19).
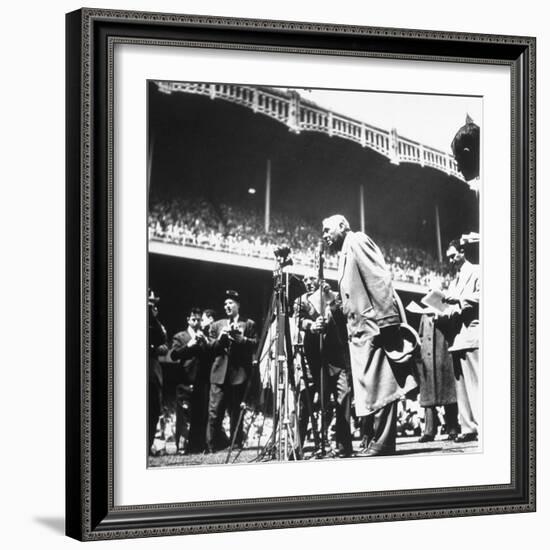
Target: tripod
(284, 443)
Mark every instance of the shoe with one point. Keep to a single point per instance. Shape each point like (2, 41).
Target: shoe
(464, 438)
(452, 436)
(373, 452)
(426, 438)
(340, 453)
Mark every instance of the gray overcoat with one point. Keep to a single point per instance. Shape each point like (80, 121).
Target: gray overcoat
(368, 303)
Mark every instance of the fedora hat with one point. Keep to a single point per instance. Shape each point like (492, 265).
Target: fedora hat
(403, 347)
(232, 295)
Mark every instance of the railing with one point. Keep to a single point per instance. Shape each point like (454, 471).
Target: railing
(248, 253)
(302, 115)
(303, 258)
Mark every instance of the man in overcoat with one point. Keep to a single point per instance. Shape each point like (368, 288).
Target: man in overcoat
(367, 300)
(234, 340)
(436, 378)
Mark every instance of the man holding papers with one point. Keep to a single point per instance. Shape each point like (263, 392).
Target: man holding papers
(463, 317)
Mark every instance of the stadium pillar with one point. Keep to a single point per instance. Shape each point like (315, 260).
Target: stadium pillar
(362, 207)
(438, 234)
(150, 162)
(267, 196)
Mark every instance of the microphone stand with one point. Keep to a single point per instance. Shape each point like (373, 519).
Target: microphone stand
(321, 351)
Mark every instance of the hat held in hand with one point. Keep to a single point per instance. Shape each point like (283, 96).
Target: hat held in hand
(401, 344)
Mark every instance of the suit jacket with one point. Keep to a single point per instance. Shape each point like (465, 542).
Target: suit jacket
(335, 350)
(232, 360)
(193, 359)
(369, 304)
(465, 316)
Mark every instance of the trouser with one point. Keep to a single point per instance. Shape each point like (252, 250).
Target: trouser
(224, 396)
(465, 365)
(183, 413)
(199, 416)
(431, 420)
(191, 415)
(338, 385)
(154, 410)
(381, 429)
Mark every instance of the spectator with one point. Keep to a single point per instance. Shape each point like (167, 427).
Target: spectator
(232, 228)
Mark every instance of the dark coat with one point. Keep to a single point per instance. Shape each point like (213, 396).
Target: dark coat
(335, 349)
(157, 337)
(232, 360)
(434, 365)
(194, 360)
(369, 305)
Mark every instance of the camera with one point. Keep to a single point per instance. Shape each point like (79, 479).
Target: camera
(234, 329)
(282, 254)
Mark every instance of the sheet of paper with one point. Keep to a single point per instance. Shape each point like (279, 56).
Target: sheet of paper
(413, 307)
(434, 299)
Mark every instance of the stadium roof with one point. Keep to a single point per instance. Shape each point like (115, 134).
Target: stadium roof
(303, 115)
(219, 149)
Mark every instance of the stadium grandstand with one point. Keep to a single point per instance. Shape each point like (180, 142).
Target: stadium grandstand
(236, 171)
(233, 230)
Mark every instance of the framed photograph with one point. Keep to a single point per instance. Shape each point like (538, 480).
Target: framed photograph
(300, 274)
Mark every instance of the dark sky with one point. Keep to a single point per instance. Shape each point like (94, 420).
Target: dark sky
(213, 148)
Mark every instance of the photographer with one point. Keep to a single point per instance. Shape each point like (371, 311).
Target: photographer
(157, 348)
(191, 348)
(234, 340)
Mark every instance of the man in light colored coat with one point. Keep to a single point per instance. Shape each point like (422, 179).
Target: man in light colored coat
(368, 302)
(463, 313)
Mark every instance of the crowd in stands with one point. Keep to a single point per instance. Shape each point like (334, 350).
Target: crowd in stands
(232, 228)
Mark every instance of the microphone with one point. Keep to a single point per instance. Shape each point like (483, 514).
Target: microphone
(321, 247)
(320, 260)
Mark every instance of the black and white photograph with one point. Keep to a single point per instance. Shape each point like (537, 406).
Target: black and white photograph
(270, 274)
(313, 278)
(300, 275)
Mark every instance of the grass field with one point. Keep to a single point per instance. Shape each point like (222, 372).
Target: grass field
(406, 446)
